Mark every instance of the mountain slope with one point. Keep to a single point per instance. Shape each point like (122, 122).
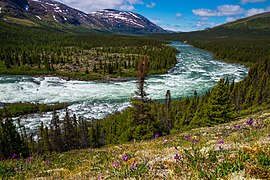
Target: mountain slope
(53, 13)
(257, 25)
(253, 27)
(259, 21)
(125, 21)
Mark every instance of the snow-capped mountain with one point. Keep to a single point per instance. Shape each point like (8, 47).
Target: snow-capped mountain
(57, 13)
(125, 21)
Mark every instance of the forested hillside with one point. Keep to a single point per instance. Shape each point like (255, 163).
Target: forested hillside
(37, 51)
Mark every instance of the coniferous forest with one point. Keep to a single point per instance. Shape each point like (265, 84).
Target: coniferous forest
(38, 51)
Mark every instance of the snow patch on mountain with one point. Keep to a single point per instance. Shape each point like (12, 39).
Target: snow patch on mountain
(38, 17)
(55, 18)
(107, 20)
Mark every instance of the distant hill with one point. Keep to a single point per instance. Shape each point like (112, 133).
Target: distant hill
(51, 13)
(251, 27)
(256, 22)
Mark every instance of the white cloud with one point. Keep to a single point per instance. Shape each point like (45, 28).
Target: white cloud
(204, 18)
(230, 19)
(224, 10)
(174, 27)
(151, 5)
(254, 11)
(204, 12)
(251, 1)
(203, 24)
(94, 5)
(178, 15)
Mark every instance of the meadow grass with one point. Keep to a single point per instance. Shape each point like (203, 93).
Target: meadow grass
(236, 150)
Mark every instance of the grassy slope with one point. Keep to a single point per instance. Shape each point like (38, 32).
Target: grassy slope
(259, 21)
(245, 154)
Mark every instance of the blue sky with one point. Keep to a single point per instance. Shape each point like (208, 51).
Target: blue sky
(180, 15)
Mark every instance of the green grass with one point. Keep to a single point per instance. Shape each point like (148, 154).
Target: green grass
(18, 109)
(24, 22)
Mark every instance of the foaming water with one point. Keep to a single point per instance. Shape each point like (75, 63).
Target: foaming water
(195, 70)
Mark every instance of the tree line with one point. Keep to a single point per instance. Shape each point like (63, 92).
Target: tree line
(36, 51)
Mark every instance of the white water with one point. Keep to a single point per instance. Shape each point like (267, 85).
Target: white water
(195, 70)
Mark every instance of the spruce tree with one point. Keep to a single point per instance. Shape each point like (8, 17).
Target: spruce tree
(10, 140)
(220, 107)
(141, 96)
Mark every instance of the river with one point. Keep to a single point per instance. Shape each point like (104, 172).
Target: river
(195, 70)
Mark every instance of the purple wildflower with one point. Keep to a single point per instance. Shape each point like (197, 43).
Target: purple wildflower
(100, 177)
(259, 126)
(220, 147)
(177, 157)
(166, 140)
(220, 142)
(39, 155)
(28, 160)
(250, 122)
(125, 157)
(133, 167)
(188, 137)
(196, 141)
(115, 164)
(171, 139)
(144, 161)
(156, 135)
(47, 162)
(14, 156)
(237, 126)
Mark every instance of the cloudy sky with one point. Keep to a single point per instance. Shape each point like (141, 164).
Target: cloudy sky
(180, 15)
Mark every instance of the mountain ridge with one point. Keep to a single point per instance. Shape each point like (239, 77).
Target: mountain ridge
(53, 13)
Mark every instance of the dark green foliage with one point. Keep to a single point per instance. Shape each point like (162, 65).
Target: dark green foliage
(11, 144)
(219, 108)
(264, 159)
(6, 171)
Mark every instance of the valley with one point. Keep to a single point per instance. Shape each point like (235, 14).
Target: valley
(195, 70)
(111, 95)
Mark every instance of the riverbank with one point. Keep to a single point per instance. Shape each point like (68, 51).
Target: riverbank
(21, 109)
(80, 76)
